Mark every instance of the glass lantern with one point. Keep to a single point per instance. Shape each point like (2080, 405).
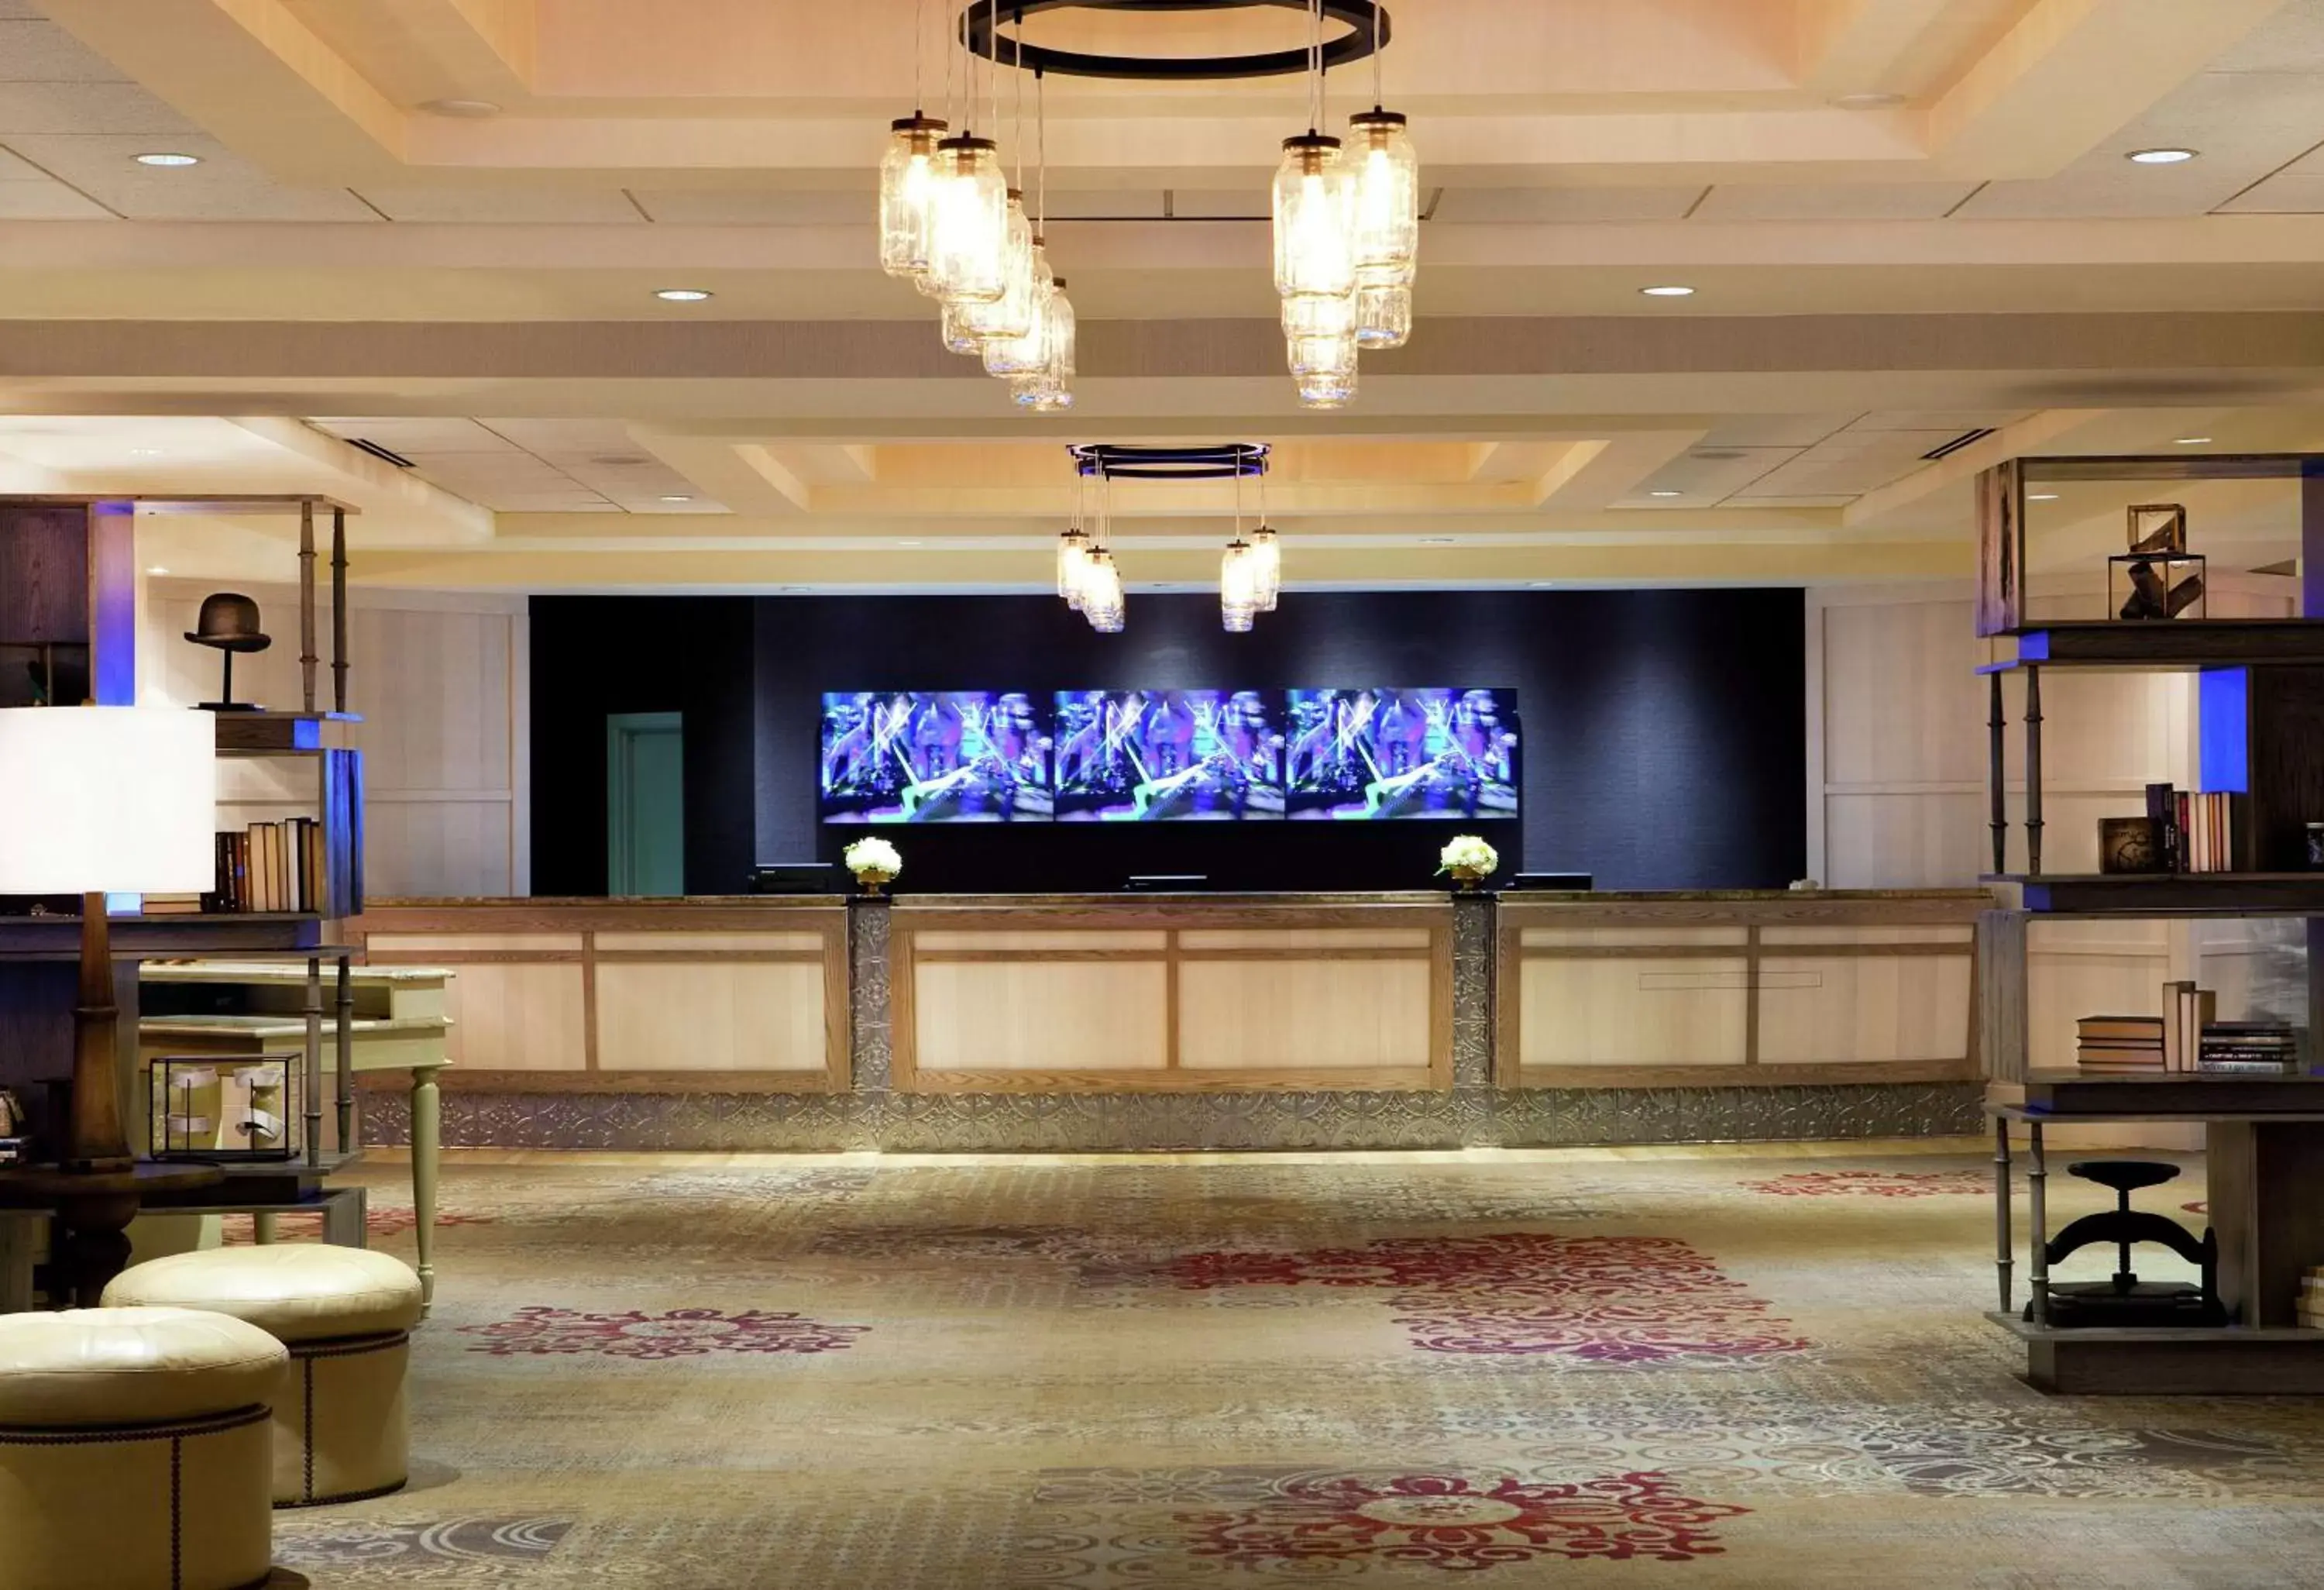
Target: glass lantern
(971, 260)
(224, 1108)
(907, 174)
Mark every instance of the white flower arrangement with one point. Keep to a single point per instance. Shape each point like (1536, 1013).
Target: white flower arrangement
(873, 858)
(1467, 854)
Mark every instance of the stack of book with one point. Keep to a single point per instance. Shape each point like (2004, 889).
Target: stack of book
(2253, 1049)
(271, 867)
(2197, 829)
(2312, 1300)
(2121, 1045)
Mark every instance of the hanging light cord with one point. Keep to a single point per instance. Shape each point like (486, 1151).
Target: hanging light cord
(1380, 96)
(1017, 93)
(1315, 66)
(919, 37)
(1041, 136)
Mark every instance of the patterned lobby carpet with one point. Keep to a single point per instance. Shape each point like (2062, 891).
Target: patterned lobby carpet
(1577, 1369)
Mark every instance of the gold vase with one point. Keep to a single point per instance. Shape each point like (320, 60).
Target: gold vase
(1469, 878)
(874, 882)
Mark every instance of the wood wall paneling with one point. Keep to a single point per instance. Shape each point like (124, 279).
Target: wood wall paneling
(1319, 1015)
(1041, 1015)
(729, 1016)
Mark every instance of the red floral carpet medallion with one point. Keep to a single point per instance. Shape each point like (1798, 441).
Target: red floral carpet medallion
(1604, 1299)
(1445, 1522)
(1873, 1184)
(682, 1332)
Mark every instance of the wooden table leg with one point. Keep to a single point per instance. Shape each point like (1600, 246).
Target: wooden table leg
(427, 1123)
(262, 1228)
(2037, 1187)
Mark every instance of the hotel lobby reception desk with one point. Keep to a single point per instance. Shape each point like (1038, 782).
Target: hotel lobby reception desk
(1094, 1023)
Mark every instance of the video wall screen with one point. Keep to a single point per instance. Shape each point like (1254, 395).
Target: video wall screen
(1380, 754)
(1168, 757)
(1365, 754)
(947, 756)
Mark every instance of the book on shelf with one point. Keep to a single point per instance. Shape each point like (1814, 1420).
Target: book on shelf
(2250, 1048)
(2197, 827)
(279, 867)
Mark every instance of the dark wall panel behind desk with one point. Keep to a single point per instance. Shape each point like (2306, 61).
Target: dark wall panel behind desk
(1664, 743)
(1663, 737)
(593, 656)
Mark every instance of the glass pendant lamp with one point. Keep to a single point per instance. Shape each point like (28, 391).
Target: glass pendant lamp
(1011, 314)
(1238, 587)
(1312, 355)
(972, 222)
(1386, 171)
(1383, 317)
(1315, 245)
(1310, 316)
(908, 174)
(1267, 565)
(1073, 565)
(1050, 388)
(1103, 602)
(1328, 378)
(1012, 356)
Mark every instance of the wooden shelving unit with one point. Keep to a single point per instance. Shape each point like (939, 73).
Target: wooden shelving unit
(2264, 1136)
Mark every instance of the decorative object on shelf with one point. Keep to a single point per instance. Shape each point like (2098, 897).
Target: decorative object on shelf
(2130, 844)
(875, 863)
(2315, 837)
(99, 800)
(1469, 860)
(1251, 572)
(15, 1130)
(228, 622)
(223, 1110)
(2123, 1299)
(2158, 578)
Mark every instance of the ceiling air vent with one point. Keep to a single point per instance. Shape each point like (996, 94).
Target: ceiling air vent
(385, 455)
(1956, 444)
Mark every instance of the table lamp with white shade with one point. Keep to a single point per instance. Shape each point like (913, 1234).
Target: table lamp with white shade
(99, 800)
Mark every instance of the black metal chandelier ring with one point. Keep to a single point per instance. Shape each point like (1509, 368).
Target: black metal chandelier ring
(978, 22)
(1125, 461)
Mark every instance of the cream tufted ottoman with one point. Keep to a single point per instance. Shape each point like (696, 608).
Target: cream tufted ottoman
(134, 1450)
(346, 1315)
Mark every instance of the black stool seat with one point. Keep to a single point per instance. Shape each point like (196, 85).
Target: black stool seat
(2122, 1175)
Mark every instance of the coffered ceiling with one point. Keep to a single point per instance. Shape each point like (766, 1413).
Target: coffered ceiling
(435, 226)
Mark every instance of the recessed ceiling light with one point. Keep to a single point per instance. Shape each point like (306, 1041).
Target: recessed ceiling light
(911, 544)
(1667, 291)
(157, 568)
(165, 158)
(1436, 540)
(2160, 157)
(676, 498)
(466, 109)
(2041, 496)
(680, 294)
(2193, 442)
(1666, 493)
(1541, 585)
(144, 452)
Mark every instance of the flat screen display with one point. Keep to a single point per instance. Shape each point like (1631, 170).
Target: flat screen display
(945, 756)
(1377, 753)
(1168, 755)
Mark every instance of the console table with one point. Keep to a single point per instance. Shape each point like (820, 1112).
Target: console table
(2265, 1158)
(396, 1022)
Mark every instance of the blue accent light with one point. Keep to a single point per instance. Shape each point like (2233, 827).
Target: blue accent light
(2224, 718)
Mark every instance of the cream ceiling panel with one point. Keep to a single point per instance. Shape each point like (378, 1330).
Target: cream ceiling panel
(1772, 430)
(39, 52)
(544, 436)
(91, 108)
(415, 438)
(753, 207)
(2244, 123)
(1522, 206)
(223, 188)
(1945, 422)
(43, 200)
(1249, 204)
(2291, 193)
(1707, 474)
(500, 203)
(1837, 201)
(2291, 41)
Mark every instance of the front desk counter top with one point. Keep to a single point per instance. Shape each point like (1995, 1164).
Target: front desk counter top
(1202, 993)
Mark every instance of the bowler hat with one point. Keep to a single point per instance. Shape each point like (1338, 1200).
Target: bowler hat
(229, 622)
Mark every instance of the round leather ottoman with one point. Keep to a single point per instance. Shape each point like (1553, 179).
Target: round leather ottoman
(345, 1315)
(134, 1450)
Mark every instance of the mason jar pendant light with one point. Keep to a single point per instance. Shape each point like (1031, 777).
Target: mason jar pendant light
(1238, 567)
(1074, 551)
(1387, 174)
(1050, 389)
(908, 176)
(1266, 552)
(1011, 314)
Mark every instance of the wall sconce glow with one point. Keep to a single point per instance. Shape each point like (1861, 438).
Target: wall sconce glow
(680, 294)
(2160, 157)
(165, 158)
(1669, 291)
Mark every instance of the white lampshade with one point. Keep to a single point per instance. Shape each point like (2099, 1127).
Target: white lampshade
(107, 799)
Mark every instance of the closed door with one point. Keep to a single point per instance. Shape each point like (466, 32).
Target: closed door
(645, 803)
